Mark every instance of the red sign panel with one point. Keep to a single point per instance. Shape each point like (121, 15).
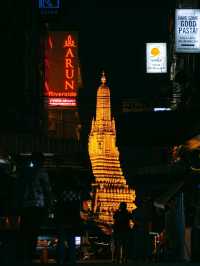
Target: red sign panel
(61, 68)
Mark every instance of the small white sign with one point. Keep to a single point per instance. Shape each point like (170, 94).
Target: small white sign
(187, 30)
(156, 58)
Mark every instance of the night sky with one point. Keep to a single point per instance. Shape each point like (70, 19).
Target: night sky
(114, 39)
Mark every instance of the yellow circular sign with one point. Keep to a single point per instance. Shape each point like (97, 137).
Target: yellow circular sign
(155, 51)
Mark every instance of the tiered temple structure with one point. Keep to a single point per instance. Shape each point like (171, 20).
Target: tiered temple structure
(110, 187)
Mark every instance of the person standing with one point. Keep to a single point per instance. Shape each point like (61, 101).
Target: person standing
(34, 200)
(121, 230)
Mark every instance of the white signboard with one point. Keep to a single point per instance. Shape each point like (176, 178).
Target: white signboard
(187, 30)
(156, 58)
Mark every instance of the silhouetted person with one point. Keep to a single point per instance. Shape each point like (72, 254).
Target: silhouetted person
(67, 218)
(35, 197)
(121, 230)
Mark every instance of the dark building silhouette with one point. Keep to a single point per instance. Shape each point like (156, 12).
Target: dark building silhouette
(24, 110)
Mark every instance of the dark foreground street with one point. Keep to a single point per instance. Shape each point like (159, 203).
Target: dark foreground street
(99, 263)
(109, 263)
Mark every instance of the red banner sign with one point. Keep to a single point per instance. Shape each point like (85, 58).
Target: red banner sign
(61, 69)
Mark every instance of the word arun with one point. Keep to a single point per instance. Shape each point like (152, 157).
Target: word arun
(110, 187)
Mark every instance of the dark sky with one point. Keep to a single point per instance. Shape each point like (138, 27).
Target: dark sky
(114, 39)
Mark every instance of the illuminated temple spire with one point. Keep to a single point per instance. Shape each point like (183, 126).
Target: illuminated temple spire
(110, 187)
(103, 78)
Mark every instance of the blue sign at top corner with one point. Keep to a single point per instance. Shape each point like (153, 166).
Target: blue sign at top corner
(48, 4)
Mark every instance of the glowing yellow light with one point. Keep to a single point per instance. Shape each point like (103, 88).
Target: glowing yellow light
(193, 143)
